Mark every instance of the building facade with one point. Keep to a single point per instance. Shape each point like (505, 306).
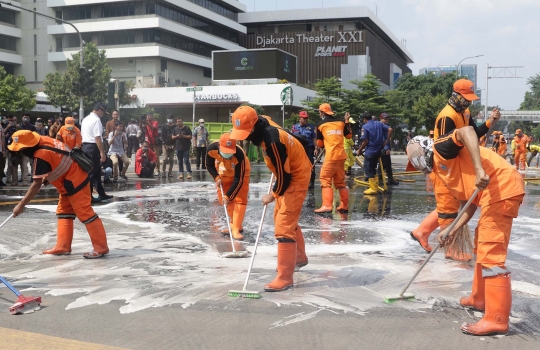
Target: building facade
(152, 43)
(347, 42)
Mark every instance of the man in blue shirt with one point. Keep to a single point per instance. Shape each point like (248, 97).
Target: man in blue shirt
(374, 137)
(309, 133)
(385, 155)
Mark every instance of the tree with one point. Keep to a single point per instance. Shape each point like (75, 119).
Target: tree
(14, 95)
(259, 109)
(531, 102)
(366, 97)
(58, 87)
(420, 95)
(328, 90)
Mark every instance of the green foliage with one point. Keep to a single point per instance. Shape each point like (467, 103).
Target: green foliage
(138, 112)
(14, 95)
(366, 97)
(420, 96)
(328, 90)
(531, 102)
(59, 86)
(257, 108)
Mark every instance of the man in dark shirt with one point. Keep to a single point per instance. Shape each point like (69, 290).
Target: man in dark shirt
(167, 132)
(13, 158)
(182, 136)
(26, 125)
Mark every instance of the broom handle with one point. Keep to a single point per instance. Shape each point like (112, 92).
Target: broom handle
(258, 236)
(5, 221)
(227, 216)
(450, 228)
(321, 153)
(17, 293)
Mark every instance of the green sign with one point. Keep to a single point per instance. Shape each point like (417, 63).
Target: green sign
(286, 95)
(196, 88)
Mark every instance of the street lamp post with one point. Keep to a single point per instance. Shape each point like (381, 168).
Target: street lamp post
(457, 67)
(81, 42)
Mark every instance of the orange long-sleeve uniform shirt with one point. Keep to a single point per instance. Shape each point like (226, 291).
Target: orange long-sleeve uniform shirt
(500, 201)
(233, 172)
(447, 121)
(286, 158)
(331, 133)
(72, 138)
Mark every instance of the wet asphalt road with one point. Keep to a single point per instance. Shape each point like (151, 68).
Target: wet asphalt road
(164, 285)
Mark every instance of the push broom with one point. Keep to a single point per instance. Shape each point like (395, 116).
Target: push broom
(246, 293)
(405, 296)
(234, 253)
(23, 304)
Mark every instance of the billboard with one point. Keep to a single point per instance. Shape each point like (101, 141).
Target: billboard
(254, 64)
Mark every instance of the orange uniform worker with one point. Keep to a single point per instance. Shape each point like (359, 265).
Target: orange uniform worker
(455, 115)
(520, 155)
(233, 174)
(462, 165)
(285, 157)
(503, 146)
(331, 133)
(61, 171)
(70, 134)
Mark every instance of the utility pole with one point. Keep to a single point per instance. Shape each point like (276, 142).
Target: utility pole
(503, 72)
(458, 73)
(81, 43)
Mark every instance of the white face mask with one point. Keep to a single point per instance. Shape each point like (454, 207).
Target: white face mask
(226, 156)
(169, 121)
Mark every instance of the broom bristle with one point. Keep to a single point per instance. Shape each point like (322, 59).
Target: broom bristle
(461, 247)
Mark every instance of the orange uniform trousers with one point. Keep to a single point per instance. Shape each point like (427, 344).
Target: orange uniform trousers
(287, 211)
(520, 158)
(492, 234)
(333, 171)
(447, 204)
(241, 197)
(78, 205)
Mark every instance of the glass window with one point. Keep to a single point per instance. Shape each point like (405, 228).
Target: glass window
(7, 16)
(59, 46)
(7, 43)
(217, 8)
(117, 38)
(191, 21)
(178, 42)
(35, 71)
(118, 10)
(76, 13)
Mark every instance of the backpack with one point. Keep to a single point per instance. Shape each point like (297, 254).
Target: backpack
(78, 155)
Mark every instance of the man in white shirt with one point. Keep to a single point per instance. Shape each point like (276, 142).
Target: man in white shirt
(91, 130)
(117, 143)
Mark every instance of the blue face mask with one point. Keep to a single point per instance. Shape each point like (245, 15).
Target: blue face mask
(226, 156)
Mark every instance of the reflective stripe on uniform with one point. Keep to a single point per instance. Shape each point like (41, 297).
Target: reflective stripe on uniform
(86, 222)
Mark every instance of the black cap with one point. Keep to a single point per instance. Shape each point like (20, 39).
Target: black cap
(100, 106)
(74, 114)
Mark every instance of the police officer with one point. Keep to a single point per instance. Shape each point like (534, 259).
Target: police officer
(303, 128)
(385, 155)
(374, 137)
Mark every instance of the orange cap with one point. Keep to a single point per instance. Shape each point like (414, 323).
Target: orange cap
(465, 88)
(69, 120)
(518, 131)
(243, 120)
(226, 145)
(326, 109)
(23, 139)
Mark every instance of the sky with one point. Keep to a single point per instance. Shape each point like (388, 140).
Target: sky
(443, 32)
